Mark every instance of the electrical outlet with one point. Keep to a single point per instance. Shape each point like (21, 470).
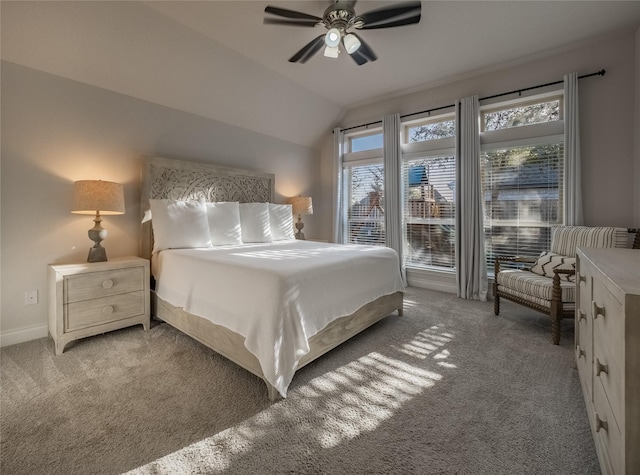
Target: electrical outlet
(31, 297)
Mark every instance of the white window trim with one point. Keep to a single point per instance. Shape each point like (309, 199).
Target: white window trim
(363, 157)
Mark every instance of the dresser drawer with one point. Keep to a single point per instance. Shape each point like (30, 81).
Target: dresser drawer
(608, 322)
(88, 313)
(584, 352)
(104, 283)
(609, 372)
(609, 438)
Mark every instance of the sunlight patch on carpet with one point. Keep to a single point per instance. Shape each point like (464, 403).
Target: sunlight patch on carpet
(331, 409)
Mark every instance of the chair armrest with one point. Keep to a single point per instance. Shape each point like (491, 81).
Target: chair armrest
(556, 291)
(564, 271)
(498, 260)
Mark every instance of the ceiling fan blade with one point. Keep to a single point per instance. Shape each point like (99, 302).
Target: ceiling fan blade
(308, 50)
(365, 49)
(358, 58)
(283, 12)
(282, 21)
(386, 15)
(364, 53)
(405, 21)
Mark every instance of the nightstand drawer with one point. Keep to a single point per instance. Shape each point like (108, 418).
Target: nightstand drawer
(93, 312)
(94, 285)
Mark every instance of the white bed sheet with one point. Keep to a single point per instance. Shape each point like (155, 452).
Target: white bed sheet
(276, 295)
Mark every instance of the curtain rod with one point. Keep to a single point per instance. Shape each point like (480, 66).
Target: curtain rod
(519, 91)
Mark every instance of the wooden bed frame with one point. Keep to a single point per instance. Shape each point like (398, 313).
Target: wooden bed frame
(176, 179)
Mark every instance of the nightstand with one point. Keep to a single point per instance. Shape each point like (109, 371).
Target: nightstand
(90, 298)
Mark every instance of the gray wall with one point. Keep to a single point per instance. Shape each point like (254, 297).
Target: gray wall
(609, 118)
(56, 131)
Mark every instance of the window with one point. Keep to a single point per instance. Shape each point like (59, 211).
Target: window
(429, 130)
(429, 175)
(363, 189)
(365, 211)
(519, 115)
(522, 177)
(429, 211)
(370, 141)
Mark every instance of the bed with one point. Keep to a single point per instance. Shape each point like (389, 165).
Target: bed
(260, 304)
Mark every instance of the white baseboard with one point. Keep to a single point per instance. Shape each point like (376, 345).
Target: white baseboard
(21, 335)
(432, 280)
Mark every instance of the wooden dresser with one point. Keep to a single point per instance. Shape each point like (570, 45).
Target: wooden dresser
(607, 347)
(89, 298)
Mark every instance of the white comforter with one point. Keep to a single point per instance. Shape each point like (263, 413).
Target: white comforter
(276, 295)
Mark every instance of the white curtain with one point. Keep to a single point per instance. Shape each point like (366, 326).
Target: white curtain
(471, 264)
(338, 208)
(572, 175)
(393, 186)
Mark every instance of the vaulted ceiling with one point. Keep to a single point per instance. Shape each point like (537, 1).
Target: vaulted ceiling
(217, 59)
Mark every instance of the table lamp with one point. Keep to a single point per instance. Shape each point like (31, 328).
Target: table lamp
(97, 196)
(301, 205)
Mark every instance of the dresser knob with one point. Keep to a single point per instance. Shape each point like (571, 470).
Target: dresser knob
(582, 278)
(107, 284)
(581, 352)
(600, 424)
(601, 368)
(597, 310)
(582, 315)
(107, 310)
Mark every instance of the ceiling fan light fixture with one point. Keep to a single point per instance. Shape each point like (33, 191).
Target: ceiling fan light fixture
(331, 51)
(351, 43)
(332, 38)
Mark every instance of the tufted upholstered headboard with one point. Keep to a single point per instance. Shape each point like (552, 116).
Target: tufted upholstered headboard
(164, 178)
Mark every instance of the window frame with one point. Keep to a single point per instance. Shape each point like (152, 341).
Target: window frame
(352, 160)
(426, 149)
(543, 133)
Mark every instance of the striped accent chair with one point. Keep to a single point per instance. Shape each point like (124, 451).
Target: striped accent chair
(549, 284)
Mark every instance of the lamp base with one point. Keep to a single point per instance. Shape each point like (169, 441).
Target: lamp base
(299, 226)
(97, 254)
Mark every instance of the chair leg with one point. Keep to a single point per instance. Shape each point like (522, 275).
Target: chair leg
(556, 309)
(555, 330)
(496, 300)
(555, 314)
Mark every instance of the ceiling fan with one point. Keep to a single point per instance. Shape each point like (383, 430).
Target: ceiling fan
(340, 20)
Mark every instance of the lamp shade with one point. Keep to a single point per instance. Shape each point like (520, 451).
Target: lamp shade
(351, 43)
(301, 205)
(91, 196)
(332, 38)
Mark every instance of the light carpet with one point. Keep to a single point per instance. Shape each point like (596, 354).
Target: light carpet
(448, 388)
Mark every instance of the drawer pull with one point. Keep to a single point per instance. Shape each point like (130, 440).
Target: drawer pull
(601, 368)
(107, 284)
(582, 315)
(108, 310)
(597, 310)
(600, 424)
(581, 352)
(582, 278)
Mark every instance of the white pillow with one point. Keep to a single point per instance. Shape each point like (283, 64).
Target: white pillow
(254, 219)
(281, 222)
(224, 223)
(179, 224)
(548, 261)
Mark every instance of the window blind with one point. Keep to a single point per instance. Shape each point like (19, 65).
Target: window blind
(364, 185)
(429, 211)
(522, 188)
